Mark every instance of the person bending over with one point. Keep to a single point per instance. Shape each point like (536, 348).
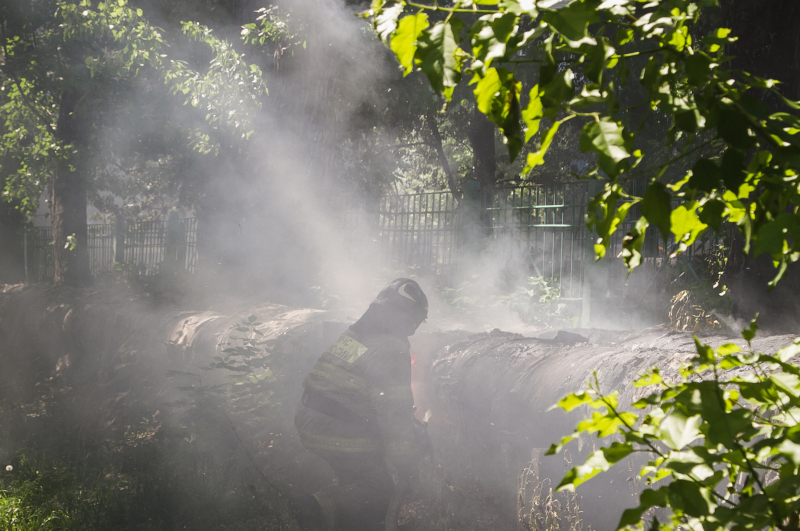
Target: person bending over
(357, 413)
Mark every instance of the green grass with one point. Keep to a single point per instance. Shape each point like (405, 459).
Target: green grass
(42, 500)
(42, 496)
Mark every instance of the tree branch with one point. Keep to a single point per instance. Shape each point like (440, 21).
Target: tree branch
(430, 119)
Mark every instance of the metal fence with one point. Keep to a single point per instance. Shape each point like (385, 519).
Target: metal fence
(420, 230)
(538, 230)
(541, 228)
(144, 247)
(101, 247)
(39, 265)
(148, 244)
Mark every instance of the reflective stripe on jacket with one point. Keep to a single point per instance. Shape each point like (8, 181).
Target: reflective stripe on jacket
(371, 377)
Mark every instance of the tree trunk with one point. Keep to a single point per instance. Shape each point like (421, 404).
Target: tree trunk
(71, 256)
(12, 257)
(484, 162)
(481, 139)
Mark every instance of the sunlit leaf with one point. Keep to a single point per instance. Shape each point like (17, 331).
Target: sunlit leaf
(685, 224)
(532, 114)
(537, 158)
(610, 141)
(404, 40)
(439, 56)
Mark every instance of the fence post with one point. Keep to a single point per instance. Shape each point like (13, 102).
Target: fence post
(182, 244)
(119, 240)
(173, 240)
(595, 275)
(472, 218)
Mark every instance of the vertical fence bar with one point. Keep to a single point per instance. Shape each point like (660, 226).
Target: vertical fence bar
(119, 240)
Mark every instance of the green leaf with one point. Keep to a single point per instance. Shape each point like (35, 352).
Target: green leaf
(788, 157)
(558, 87)
(610, 141)
(788, 352)
(632, 244)
(648, 499)
(404, 39)
(657, 207)
(487, 90)
(733, 174)
(595, 463)
(771, 236)
(573, 400)
(489, 36)
(704, 352)
(439, 56)
(717, 39)
(603, 216)
(600, 58)
(711, 213)
(519, 7)
(788, 383)
(790, 450)
(617, 452)
(536, 159)
(706, 176)
(734, 128)
(685, 224)
(532, 114)
(678, 430)
(754, 106)
(689, 120)
(497, 96)
(572, 22)
(556, 448)
(698, 66)
(728, 348)
(789, 103)
(679, 38)
(689, 497)
(750, 332)
(653, 377)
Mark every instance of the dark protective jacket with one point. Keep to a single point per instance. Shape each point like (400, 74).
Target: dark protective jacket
(358, 399)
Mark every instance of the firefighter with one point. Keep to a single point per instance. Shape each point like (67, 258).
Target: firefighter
(357, 413)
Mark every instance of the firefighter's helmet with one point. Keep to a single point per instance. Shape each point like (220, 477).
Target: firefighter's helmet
(405, 295)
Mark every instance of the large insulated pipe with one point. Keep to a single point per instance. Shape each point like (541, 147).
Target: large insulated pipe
(490, 396)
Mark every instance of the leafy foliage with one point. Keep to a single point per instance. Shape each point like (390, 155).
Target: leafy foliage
(612, 65)
(99, 51)
(722, 439)
(536, 302)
